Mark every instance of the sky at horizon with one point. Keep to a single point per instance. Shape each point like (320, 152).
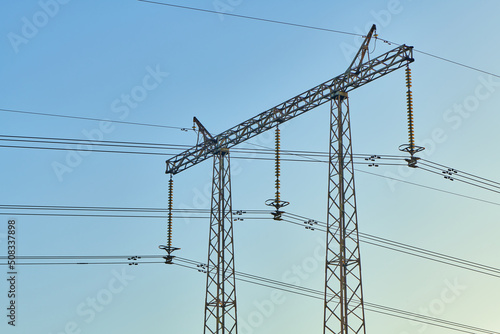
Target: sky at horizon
(138, 62)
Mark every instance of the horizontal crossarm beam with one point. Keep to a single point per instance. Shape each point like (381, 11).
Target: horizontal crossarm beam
(365, 73)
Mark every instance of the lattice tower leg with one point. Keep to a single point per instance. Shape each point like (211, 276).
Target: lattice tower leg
(344, 309)
(220, 301)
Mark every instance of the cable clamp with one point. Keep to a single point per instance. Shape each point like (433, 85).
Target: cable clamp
(169, 257)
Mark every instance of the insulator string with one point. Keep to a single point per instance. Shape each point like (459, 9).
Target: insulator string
(277, 163)
(169, 248)
(410, 147)
(170, 206)
(409, 101)
(277, 203)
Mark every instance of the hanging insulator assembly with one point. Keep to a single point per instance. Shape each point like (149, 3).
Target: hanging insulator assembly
(277, 203)
(410, 147)
(170, 205)
(168, 248)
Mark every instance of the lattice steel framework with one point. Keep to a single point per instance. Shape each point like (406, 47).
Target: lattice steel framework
(356, 76)
(344, 310)
(220, 300)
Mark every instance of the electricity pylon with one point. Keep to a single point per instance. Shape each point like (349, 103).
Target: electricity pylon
(344, 312)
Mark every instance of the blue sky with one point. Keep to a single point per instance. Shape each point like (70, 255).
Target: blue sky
(83, 58)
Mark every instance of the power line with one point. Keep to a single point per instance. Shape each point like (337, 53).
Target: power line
(84, 150)
(75, 141)
(87, 147)
(302, 221)
(115, 212)
(472, 177)
(457, 63)
(264, 150)
(94, 119)
(308, 292)
(109, 215)
(428, 187)
(416, 184)
(113, 208)
(253, 18)
(316, 28)
(459, 171)
(403, 248)
(84, 257)
(460, 179)
(453, 174)
(148, 145)
(171, 154)
(304, 291)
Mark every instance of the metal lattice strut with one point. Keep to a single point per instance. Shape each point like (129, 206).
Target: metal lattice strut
(344, 310)
(220, 301)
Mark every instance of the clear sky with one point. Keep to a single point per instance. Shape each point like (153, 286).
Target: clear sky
(138, 62)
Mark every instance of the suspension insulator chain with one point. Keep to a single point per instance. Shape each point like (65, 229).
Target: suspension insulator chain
(410, 147)
(170, 205)
(277, 164)
(409, 101)
(277, 203)
(168, 248)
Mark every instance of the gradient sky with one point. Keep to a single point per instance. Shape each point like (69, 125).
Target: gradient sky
(86, 55)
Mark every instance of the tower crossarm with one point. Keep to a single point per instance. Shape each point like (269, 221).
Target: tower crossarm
(365, 73)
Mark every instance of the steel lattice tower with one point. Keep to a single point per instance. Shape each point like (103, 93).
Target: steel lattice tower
(344, 310)
(220, 301)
